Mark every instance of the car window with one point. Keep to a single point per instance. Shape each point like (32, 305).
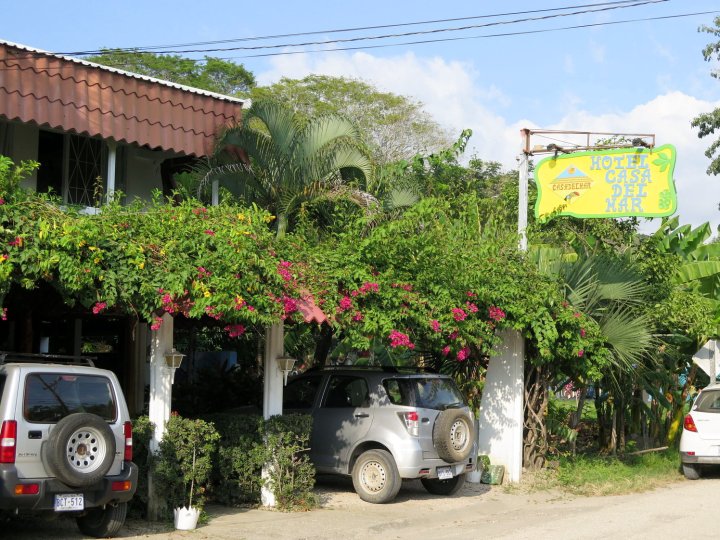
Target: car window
(2, 384)
(428, 393)
(345, 391)
(300, 393)
(708, 401)
(49, 397)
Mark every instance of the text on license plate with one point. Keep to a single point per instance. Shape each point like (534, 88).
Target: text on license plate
(68, 503)
(444, 473)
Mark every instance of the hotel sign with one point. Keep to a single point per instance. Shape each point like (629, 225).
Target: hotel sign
(611, 183)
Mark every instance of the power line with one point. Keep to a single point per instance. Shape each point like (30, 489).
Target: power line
(504, 34)
(624, 5)
(343, 30)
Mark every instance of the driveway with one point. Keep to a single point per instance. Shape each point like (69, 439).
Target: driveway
(674, 511)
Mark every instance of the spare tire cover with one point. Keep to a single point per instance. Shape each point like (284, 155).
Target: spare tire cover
(80, 450)
(453, 435)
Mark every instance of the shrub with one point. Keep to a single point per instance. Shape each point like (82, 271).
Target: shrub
(291, 475)
(142, 433)
(184, 463)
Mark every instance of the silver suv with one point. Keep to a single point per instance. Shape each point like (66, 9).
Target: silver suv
(382, 426)
(65, 442)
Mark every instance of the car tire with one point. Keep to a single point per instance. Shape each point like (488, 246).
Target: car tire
(80, 450)
(691, 471)
(103, 522)
(453, 435)
(375, 477)
(449, 486)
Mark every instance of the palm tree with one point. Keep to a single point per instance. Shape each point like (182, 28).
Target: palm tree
(282, 161)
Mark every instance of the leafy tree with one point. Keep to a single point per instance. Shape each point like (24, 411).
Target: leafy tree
(707, 123)
(283, 161)
(393, 127)
(213, 74)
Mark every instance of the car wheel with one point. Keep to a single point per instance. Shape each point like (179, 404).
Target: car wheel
(453, 435)
(375, 477)
(691, 471)
(103, 522)
(449, 486)
(80, 449)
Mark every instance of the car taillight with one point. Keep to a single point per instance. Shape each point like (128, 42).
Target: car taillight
(124, 485)
(689, 423)
(8, 436)
(127, 431)
(27, 489)
(412, 422)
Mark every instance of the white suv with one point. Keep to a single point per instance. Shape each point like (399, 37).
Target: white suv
(700, 440)
(65, 442)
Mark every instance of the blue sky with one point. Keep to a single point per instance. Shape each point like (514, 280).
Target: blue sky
(640, 77)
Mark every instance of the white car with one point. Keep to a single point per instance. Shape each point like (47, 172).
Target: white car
(700, 440)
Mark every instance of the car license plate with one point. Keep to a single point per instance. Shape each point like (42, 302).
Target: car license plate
(444, 473)
(68, 503)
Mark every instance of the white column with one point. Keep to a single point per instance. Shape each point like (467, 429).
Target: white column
(160, 379)
(111, 160)
(272, 392)
(215, 193)
(500, 434)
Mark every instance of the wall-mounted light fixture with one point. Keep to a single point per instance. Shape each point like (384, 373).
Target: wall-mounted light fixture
(285, 364)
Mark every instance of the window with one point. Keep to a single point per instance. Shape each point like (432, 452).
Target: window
(300, 393)
(347, 392)
(2, 385)
(427, 393)
(708, 401)
(51, 397)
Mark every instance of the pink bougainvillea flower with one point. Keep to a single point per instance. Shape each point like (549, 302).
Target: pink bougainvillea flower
(209, 232)
(345, 304)
(17, 241)
(289, 305)
(496, 314)
(199, 211)
(203, 272)
(472, 308)
(235, 330)
(283, 269)
(581, 352)
(99, 307)
(3, 313)
(4, 257)
(471, 294)
(435, 325)
(357, 317)
(157, 323)
(2, 201)
(582, 332)
(398, 339)
(459, 314)
(463, 354)
(577, 314)
(453, 335)
(445, 350)
(369, 287)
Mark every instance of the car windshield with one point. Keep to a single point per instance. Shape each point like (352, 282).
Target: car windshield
(427, 393)
(708, 401)
(49, 397)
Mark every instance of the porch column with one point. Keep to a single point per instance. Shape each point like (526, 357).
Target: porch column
(160, 379)
(111, 160)
(500, 434)
(272, 390)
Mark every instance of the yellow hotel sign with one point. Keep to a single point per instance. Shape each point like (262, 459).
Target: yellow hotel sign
(611, 183)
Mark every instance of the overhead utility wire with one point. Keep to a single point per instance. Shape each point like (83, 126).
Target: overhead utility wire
(504, 34)
(406, 34)
(342, 30)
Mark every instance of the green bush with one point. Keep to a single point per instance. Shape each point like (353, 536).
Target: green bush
(142, 433)
(184, 464)
(291, 475)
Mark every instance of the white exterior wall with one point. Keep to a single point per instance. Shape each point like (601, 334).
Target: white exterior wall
(500, 433)
(142, 173)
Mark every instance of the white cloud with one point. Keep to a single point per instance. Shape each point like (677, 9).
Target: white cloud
(459, 97)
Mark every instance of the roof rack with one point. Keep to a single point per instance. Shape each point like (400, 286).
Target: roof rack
(44, 358)
(390, 369)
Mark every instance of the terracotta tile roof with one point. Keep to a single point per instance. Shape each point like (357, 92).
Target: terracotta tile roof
(309, 309)
(79, 96)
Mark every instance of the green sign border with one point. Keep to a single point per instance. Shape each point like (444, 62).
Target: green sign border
(649, 151)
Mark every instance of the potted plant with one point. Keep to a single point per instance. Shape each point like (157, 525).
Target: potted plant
(186, 517)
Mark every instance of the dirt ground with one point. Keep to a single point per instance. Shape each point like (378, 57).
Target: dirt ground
(478, 511)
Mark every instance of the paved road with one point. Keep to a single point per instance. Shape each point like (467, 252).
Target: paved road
(681, 510)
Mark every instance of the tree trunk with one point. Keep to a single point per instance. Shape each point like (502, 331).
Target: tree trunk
(576, 417)
(323, 343)
(535, 441)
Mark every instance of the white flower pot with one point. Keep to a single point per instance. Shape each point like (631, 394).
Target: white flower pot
(186, 518)
(474, 477)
